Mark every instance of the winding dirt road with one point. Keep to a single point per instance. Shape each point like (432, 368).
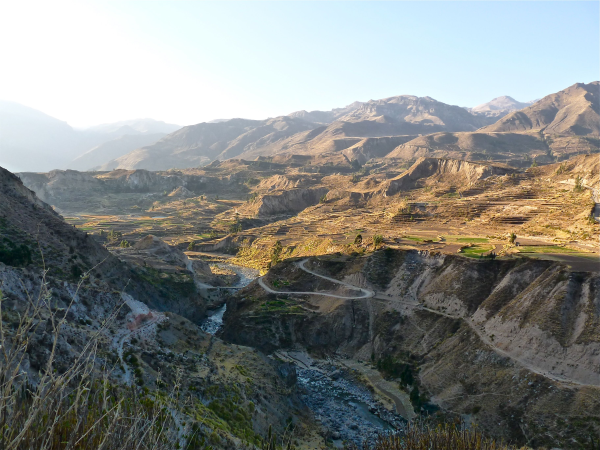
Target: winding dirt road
(365, 293)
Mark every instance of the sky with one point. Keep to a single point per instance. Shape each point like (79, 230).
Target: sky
(185, 62)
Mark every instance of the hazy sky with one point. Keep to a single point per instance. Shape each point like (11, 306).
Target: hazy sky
(187, 62)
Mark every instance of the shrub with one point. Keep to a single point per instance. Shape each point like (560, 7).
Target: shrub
(14, 255)
(377, 240)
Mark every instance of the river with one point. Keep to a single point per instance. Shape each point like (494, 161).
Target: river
(214, 321)
(342, 405)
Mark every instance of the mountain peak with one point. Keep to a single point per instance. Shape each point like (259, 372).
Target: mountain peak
(502, 103)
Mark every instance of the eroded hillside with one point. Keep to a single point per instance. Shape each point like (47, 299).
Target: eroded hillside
(512, 345)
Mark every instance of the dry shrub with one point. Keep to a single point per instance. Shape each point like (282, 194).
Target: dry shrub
(75, 409)
(441, 437)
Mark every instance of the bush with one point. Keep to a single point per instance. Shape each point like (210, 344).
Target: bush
(12, 254)
(377, 240)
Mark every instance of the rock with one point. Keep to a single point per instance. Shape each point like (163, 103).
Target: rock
(287, 371)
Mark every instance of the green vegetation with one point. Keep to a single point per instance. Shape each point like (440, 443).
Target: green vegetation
(473, 240)
(377, 240)
(475, 251)
(391, 368)
(13, 254)
(578, 184)
(170, 285)
(545, 249)
(281, 305)
(276, 253)
(236, 226)
(358, 239)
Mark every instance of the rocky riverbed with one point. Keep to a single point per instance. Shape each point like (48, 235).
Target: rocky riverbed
(342, 405)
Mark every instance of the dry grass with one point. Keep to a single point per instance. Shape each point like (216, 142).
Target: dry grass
(442, 437)
(76, 409)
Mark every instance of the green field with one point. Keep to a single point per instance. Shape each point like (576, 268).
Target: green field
(545, 249)
(476, 251)
(472, 240)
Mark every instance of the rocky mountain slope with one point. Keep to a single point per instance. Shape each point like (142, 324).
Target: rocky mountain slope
(233, 393)
(572, 111)
(511, 345)
(434, 170)
(556, 127)
(33, 233)
(377, 128)
(316, 133)
(499, 107)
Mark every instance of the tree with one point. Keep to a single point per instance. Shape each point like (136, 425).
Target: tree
(191, 246)
(578, 184)
(415, 398)
(276, 253)
(236, 226)
(358, 239)
(512, 237)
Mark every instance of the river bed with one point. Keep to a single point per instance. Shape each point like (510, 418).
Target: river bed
(343, 407)
(246, 275)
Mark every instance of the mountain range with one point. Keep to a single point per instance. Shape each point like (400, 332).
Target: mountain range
(405, 126)
(32, 140)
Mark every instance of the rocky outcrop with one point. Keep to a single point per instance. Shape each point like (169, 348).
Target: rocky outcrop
(289, 202)
(441, 169)
(182, 192)
(60, 187)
